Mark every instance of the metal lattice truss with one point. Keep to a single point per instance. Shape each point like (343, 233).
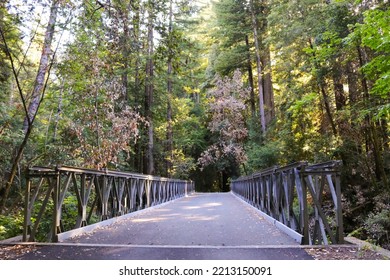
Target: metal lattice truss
(305, 198)
(100, 195)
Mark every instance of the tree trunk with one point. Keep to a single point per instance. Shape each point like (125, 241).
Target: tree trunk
(43, 68)
(269, 103)
(169, 147)
(328, 110)
(322, 86)
(37, 96)
(250, 79)
(373, 139)
(149, 91)
(14, 169)
(259, 69)
(126, 57)
(338, 87)
(352, 79)
(139, 149)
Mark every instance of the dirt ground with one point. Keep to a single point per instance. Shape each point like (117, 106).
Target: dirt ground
(15, 251)
(344, 253)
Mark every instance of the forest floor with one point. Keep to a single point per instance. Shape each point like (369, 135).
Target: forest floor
(344, 253)
(14, 252)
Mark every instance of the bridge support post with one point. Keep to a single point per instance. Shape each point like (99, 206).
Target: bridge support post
(56, 213)
(305, 214)
(339, 214)
(27, 214)
(148, 192)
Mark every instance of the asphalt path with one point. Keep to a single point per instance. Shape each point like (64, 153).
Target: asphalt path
(201, 226)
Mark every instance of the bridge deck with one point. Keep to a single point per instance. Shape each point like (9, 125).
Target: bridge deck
(215, 219)
(217, 226)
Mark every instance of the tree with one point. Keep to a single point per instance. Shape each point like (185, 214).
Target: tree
(325, 98)
(227, 123)
(373, 36)
(37, 94)
(10, 43)
(169, 148)
(149, 88)
(240, 33)
(44, 67)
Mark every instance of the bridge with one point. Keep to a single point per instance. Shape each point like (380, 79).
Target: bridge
(106, 214)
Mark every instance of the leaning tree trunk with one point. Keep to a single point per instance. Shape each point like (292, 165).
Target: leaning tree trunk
(44, 65)
(36, 98)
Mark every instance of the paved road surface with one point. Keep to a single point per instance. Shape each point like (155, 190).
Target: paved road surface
(201, 226)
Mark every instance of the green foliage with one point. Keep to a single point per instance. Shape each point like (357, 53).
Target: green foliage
(69, 212)
(11, 226)
(229, 60)
(378, 226)
(183, 165)
(232, 26)
(375, 34)
(371, 34)
(8, 30)
(263, 156)
(335, 54)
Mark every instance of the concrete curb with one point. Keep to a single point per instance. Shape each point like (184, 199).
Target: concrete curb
(12, 240)
(292, 233)
(366, 245)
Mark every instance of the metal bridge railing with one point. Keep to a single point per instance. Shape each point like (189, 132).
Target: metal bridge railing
(305, 198)
(88, 196)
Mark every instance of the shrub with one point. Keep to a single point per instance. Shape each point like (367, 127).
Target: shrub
(263, 156)
(11, 226)
(378, 227)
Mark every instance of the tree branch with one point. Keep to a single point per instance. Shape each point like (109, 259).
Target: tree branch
(15, 73)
